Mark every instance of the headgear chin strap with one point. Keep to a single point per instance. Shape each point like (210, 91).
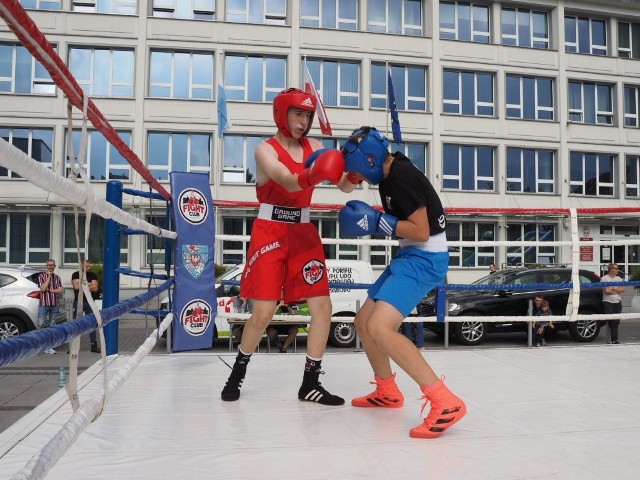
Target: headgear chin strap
(286, 99)
(364, 152)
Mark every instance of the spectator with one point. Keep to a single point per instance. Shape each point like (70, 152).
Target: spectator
(94, 288)
(611, 300)
(50, 288)
(291, 331)
(537, 301)
(414, 331)
(240, 305)
(540, 325)
(492, 268)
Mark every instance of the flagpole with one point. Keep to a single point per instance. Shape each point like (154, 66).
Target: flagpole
(217, 167)
(386, 82)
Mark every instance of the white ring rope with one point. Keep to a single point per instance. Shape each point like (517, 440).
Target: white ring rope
(38, 174)
(42, 462)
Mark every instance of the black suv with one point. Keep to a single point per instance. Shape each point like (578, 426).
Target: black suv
(501, 301)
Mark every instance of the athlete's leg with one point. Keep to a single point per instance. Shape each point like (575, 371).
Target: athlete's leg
(263, 311)
(311, 389)
(382, 328)
(320, 309)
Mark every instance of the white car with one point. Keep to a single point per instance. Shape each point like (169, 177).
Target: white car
(345, 301)
(19, 302)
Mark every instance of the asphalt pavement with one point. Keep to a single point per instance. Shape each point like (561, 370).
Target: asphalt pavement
(26, 384)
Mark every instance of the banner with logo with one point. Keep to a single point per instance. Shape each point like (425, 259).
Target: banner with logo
(194, 296)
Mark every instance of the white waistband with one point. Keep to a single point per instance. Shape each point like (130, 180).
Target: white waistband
(436, 243)
(276, 213)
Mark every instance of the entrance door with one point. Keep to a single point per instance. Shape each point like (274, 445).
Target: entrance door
(618, 254)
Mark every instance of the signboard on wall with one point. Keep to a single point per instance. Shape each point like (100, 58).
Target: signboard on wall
(586, 252)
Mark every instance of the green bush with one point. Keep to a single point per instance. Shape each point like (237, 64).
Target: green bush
(98, 270)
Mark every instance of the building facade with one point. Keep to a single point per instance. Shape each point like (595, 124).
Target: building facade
(501, 104)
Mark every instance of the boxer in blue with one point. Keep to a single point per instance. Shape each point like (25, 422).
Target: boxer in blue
(413, 213)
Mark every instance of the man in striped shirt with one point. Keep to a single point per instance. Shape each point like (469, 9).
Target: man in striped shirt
(50, 287)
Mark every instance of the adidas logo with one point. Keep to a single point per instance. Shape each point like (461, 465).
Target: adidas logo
(307, 102)
(313, 396)
(363, 223)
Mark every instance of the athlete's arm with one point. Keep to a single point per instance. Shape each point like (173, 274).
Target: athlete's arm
(416, 227)
(270, 168)
(344, 184)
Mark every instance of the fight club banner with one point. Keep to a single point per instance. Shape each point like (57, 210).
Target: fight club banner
(194, 296)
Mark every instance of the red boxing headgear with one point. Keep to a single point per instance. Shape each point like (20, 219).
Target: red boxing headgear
(286, 99)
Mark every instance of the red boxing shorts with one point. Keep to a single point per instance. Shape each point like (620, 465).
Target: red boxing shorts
(286, 260)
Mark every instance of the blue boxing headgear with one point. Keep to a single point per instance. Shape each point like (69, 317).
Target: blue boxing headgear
(364, 152)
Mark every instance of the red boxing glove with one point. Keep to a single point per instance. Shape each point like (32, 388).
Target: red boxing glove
(329, 166)
(352, 178)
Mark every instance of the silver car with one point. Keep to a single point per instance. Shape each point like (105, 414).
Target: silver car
(19, 301)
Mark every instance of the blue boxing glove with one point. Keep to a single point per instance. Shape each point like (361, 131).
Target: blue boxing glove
(357, 219)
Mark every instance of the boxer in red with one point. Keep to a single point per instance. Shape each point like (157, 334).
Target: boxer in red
(286, 258)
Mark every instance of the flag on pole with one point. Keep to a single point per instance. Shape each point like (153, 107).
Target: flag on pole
(224, 122)
(310, 88)
(393, 108)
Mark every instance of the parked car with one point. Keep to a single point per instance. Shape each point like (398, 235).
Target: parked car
(19, 294)
(344, 301)
(502, 301)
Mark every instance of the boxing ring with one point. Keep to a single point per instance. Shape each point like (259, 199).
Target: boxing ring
(563, 412)
(558, 412)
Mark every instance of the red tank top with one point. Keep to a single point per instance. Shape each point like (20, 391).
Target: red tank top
(274, 194)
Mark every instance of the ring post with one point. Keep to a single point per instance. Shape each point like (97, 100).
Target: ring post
(111, 277)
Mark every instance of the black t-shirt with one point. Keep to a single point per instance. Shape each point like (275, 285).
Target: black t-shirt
(90, 277)
(406, 189)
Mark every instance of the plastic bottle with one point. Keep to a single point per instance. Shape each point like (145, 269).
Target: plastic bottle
(62, 377)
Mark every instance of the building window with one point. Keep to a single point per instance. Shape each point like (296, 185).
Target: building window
(628, 40)
(464, 21)
(467, 167)
(632, 176)
(530, 170)
(96, 240)
(235, 251)
(122, 7)
(156, 253)
(395, 16)
(338, 14)
(328, 228)
(416, 152)
(409, 86)
(269, 12)
(35, 142)
(21, 73)
(631, 106)
(190, 9)
(592, 174)
(41, 4)
(531, 232)
(103, 161)
(585, 35)
(530, 98)
(591, 103)
(178, 152)
(239, 161)
(471, 232)
(522, 27)
(254, 79)
(468, 93)
(338, 82)
(25, 238)
(103, 72)
(181, 75)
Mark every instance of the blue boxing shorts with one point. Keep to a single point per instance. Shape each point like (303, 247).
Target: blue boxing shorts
(409, 277)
